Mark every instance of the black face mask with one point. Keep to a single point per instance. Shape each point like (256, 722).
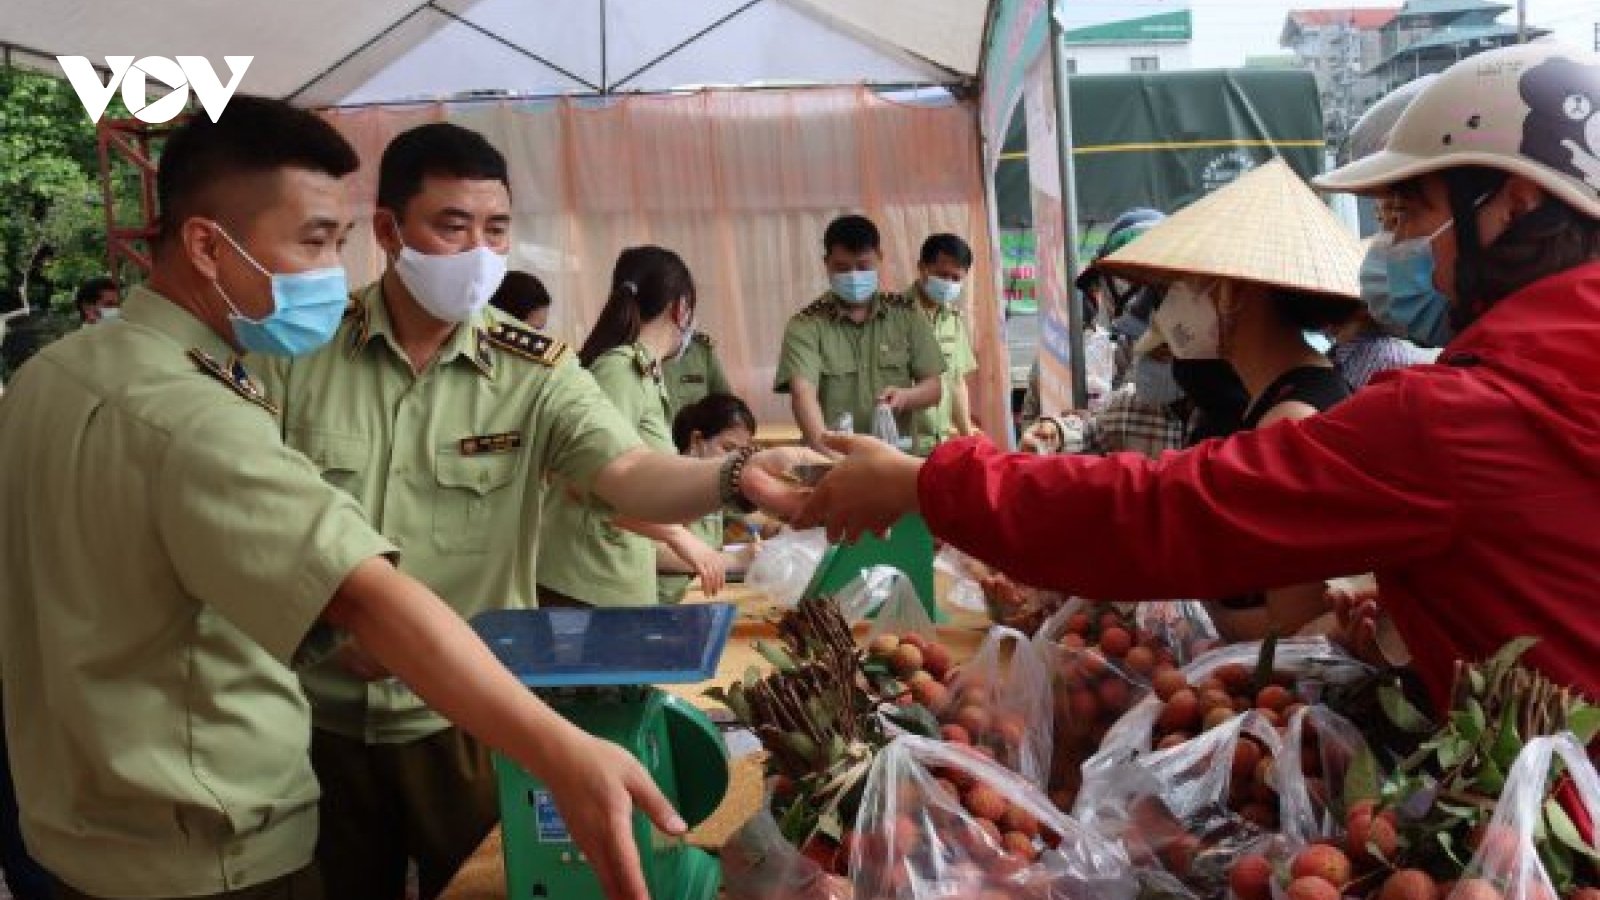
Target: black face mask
(1216, 391)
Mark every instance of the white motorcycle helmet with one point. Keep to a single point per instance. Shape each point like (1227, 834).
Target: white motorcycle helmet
(1531, 110)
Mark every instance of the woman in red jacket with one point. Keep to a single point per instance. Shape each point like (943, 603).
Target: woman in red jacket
(1471, 487)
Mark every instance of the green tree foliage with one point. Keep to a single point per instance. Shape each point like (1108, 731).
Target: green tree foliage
(52, 217)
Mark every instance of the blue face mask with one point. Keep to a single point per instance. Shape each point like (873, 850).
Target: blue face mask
(941, 290)
(854, 287)
(307, 309)
(1411, 304)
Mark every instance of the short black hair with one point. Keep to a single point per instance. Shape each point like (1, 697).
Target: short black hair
(950, 245)
(1313, 312)
(438, 149)
(520, 294)
(255, 135)
(855, 234)
(89, 292)
(710, 415)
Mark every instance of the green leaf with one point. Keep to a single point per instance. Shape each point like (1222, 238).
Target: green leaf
(1452, 752)
(1478, 682)
(915, 719)
(1400, 711)
(1491, 778)
(1447, 843)
(1361, 778)
(752, 678)
(1584, 721)
(1510, 653)
(1507, 743)
(1265, 662)
(1566, 832)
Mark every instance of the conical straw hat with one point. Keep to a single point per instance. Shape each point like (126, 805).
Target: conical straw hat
(1267, 227)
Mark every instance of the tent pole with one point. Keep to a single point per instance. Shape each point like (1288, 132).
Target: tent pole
(1069, 214)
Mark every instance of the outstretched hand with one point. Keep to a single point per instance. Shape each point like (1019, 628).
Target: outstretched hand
(871, 487)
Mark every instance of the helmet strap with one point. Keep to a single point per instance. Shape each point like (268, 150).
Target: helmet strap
(1468, 191)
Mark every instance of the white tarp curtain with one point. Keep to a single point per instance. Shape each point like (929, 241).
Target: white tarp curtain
(323, 53)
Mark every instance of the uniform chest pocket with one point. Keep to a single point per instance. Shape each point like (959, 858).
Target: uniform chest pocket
(894, 365)
(339, 457)
(471, 491)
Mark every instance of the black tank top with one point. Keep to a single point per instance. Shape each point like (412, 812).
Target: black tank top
(1319, 387)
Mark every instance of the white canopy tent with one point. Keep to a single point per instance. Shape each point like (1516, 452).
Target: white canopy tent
(322, 53)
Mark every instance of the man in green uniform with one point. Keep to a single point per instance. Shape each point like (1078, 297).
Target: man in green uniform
(158, 734)
(943, 266)
(441, 418)
(857, 347)
(694, 375)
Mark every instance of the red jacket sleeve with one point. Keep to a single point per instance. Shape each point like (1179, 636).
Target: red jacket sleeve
(1353, 490)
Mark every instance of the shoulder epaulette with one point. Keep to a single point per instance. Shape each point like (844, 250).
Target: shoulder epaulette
(818, 307)
(234, 376)
(700, 337)
(527, 343)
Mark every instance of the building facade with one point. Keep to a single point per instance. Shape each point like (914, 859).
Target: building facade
(1340, 47)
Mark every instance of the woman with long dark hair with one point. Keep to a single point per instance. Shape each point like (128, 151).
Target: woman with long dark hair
(587, 555)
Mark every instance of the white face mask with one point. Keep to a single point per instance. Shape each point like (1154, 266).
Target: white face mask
(453, 287)
(1188, 317)
(110, 313)
(684, 339)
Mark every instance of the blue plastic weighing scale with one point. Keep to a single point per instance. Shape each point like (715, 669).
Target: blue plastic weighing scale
(597, 667)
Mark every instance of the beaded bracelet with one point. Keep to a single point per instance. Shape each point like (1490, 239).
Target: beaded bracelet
(730, 483)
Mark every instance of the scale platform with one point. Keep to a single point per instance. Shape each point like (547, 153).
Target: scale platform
(557, 648)
(595, 667)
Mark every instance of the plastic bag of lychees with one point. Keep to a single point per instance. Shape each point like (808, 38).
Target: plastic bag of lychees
(1190, 701)
(1530, 830)
(758, 864)
(937, 820)
(1182, 626)
(1191, 811)
(1000, 704)
(894, 605)
(1100, 666)
(1327, 747)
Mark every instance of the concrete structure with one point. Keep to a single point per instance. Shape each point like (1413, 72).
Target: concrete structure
(1132, 36)
(1428, 36)
(1340, 47)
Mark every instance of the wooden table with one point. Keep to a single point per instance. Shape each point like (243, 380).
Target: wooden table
(483, 876)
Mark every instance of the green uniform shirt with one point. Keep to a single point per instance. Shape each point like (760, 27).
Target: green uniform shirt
(694, 376)
(672, 588)
(448, 463)
(852, 364)
(163, 558)
(937, 423)
(583, 554)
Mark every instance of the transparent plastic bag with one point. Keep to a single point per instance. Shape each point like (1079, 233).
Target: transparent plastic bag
(1327, 747)
(1100, 365)
(1090, 688)
(1189, 812)
(758, 864)
(938, 821)
(901, 611)
(1509, 855)
(1184, 626)
(875, 588)
(966, 593)
(1000, 702)
(884, 427)
(1304, 666)
(783, 566)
